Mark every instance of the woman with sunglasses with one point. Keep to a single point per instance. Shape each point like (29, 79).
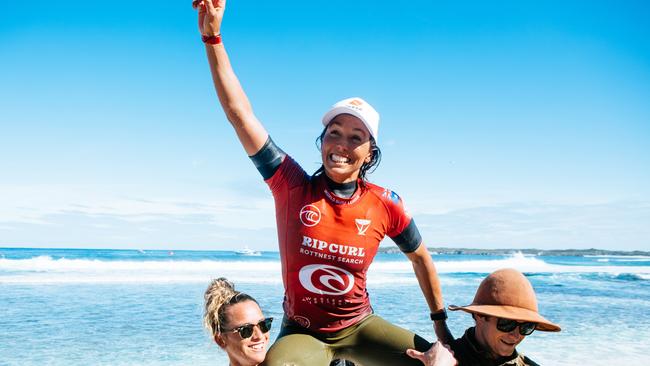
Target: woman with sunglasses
(329, 228)
(236, 323)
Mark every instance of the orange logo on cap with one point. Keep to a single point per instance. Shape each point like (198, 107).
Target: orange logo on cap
(356, 102)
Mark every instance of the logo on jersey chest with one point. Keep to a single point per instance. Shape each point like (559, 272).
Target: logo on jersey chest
(333, 248)
(362, 226)
(323, 279)
(310, 215)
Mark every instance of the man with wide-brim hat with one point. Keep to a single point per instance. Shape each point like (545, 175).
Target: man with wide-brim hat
(505, 312)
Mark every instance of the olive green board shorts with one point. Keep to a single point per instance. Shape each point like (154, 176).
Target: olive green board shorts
(371, 342)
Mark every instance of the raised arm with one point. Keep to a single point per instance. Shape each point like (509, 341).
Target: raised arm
(234, 101)
(425, 272)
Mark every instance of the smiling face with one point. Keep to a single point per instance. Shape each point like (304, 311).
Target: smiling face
(498, 343)
(243, 352)
(345, 148)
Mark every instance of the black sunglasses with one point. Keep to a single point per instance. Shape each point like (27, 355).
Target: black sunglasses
(508, 325)
(246, 330)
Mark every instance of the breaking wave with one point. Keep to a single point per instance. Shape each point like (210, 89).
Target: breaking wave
(45, 269)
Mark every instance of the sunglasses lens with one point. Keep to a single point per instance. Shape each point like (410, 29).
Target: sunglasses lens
(506, 325)
(527, 328)
(246, 331)
(265, 325)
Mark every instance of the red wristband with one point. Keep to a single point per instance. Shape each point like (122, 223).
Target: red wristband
(211, 39)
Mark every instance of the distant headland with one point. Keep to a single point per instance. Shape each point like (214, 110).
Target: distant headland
(529, 251)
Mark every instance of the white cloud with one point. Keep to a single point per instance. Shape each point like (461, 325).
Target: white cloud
(616, 225)
(120, 217)
(107, 217)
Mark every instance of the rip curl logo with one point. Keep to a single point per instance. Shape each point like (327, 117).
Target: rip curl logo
(362, 226)
(324, 279)
(309, 215)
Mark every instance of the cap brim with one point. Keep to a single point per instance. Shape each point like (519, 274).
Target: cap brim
(510, 312)
(329, 116)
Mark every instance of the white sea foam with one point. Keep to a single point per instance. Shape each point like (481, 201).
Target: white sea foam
(620, 260)
(630, 260)
(518, 261)
(46, 263)
(619, 256)
(45, 269)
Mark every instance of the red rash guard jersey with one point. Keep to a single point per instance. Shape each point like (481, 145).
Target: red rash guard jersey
(327, 244)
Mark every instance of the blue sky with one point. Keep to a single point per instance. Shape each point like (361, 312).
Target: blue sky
(505, 124)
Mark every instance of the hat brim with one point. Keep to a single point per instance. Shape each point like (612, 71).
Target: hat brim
(510, 312)
(329, 116)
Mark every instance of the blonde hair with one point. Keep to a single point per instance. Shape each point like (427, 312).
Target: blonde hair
(220, 295)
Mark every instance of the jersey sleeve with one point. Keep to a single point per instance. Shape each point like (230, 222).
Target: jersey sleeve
(402, 228)
(288, 175)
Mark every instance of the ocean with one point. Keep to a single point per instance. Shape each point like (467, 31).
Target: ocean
(135, 307)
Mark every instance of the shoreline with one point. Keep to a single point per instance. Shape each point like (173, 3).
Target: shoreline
(392, 249)
(525, 251)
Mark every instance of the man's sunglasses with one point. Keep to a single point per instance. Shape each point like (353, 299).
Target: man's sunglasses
(508, 325)
(246, 330)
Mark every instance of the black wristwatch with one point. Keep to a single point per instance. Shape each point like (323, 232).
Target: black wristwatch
(440, 315)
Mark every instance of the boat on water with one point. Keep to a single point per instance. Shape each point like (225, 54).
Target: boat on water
(248, 251)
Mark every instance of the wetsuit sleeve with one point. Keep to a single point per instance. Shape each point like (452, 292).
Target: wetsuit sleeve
(268, 159)
(409, 239)
(402, 227)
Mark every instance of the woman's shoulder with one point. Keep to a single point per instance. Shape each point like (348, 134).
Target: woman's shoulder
(289, 174)
(386, 195)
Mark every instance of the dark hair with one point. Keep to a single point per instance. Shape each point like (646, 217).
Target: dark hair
(366, 168)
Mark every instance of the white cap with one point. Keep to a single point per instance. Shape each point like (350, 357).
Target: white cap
(358, 108)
